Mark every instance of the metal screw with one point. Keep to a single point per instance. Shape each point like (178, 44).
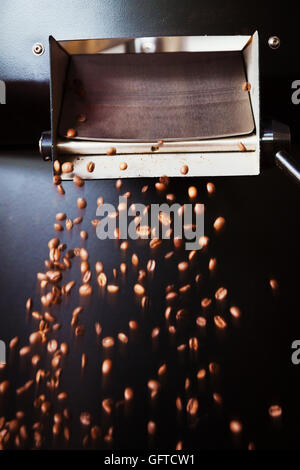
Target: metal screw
(148, 47)
(274, 42)
(38, 48)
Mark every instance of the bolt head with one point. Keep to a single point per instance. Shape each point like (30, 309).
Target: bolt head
(38, 48)
(274, 42)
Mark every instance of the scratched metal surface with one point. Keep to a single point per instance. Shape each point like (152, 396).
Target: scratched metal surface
(260, 240)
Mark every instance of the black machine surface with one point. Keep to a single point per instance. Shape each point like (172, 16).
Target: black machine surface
(26, 26)
(260, 241)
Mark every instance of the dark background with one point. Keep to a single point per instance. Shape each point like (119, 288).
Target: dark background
(260, 241)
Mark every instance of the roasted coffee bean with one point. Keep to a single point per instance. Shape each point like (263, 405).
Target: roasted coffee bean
(135, 259)
(99, 267)
(53, 243)
(113, 289)
(219, 223)
(69, 224)
(193, 344)
(56, 166)
(4, 387)
(79, 330)
(128, 394)
(81, 203)
(218, 398)
(56, 180)
(192, 192)
(274, 284)
(192, 406)
(24, 351)
(60, 189)
(52, 346)
(246, 86)
(35, 360)
(220, 322)
(221, 293)
(206, 302)
(183, 266)
(119, 184)
(203, 241)
(107, 405)
(155, 242)
(35, 337)
(100, 201)
(155, 333)
(83, 361)
(85, 418)
(213, 368)
(83, 235)
(201, 321)
(95, 433)
(275, 411)
(235, 311)
(133, 325)
(77, 220)
(102, 279)
(178, 242)
(124, 245)
(170, 197)
(14, 342)
(139, 289)
(69, 286)
(67, 167)
(29, 304)
(161, 187)
(98, 328)
(151, 428)
(201, 374)
(212, 264)
(108, 342)
(58, 227)
(106, 366)
(85, 289)
(122, 338)
(90, 167)
(78, 181)
(84, 267)
(64, 348)
(111, 151)
(235, 426)
(184, 169)
(71, 133)
(83, 253)
(53, 276)
(60, 216)
(242, 147)
(210, 187)
(46, 407)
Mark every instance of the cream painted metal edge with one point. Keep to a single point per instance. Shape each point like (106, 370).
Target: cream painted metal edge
(251, 57)
(209, 164)
(92, 147)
